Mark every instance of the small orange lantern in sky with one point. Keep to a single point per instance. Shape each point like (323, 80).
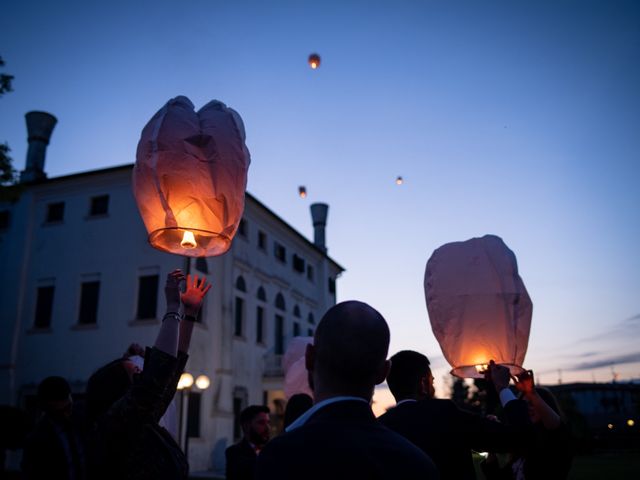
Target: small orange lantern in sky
(478, 305)
(190, 177)
(314, 60)
(302, 191)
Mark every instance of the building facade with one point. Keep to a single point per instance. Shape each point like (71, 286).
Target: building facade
(81, 283)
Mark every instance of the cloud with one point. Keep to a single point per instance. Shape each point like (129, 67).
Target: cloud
(607, 362)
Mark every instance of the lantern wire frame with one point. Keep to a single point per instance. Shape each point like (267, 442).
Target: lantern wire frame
(477, 371)
(206, 243)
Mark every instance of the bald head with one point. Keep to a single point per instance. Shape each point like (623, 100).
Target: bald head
(350, 349)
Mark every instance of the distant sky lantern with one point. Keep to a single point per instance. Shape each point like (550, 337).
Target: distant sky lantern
(478, 305)
(190, 177)
(314, 60)
(302, 191)
(399, 180)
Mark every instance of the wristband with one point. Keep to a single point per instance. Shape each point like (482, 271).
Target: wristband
(175, 315)
(190, 318)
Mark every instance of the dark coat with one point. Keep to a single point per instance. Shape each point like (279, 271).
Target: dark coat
(549, 457)
(448, 434)
(53, 450)
(128, 442)
(241, 461)
(342, 440)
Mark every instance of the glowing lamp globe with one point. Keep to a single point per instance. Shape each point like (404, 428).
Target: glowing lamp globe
(478, 305)
(190, 177)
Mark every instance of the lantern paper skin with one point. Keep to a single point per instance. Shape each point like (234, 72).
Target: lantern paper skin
(190, 177)
(296, 379)
(478, 305)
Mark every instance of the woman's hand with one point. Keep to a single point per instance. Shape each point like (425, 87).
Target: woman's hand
(172, 290)
(193, 296)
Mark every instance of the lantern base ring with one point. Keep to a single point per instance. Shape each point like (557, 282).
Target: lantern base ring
(471, 371)
(205, 243)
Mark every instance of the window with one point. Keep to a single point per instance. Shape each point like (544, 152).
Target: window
(310, 272)
(310, 318)
(193, 414)
(296, 329)
(262, 294)
(239, 317)
(242, 228)
(280, 305)
(147, 296)
(280, 252)
(99, 206)
(89, 303)
(298, 264)
(201, 265)
(240, 399)
(240, 284)
(55, 212)
(4, 219)
(279, 346)
(44, 306)
(259, 324)
(310, 332)
(296, 311)
(332, 285)
(262, 240)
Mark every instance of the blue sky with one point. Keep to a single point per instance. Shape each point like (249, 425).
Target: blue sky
(515, 119)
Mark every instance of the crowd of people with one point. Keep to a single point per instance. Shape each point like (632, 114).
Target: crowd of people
(335, 435)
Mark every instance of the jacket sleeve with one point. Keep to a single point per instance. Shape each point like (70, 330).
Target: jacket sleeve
(486, 435)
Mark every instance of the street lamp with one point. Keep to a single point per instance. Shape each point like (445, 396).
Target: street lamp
(185, 384)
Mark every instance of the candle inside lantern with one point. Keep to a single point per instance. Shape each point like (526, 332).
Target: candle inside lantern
(188, 240)
(481, 368)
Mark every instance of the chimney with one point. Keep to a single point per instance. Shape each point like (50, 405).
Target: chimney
(319, 213)
(39, 128)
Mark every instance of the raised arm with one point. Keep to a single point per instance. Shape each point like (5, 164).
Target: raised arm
(167, 339)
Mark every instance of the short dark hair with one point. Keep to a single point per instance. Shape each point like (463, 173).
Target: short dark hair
(52, 389)
(407, 368)
(296, 406)
(351, 345)
(105, 386)
(251, 412)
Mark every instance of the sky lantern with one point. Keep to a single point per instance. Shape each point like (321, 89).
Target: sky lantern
(302, 191)
(190, 177)
(314, 60)
(296, 378)
(399, 180)
(478, 305)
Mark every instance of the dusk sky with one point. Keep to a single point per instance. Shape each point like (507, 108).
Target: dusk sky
(519, 119)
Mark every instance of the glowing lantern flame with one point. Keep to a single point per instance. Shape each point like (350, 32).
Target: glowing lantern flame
(482, 368)
(314, 60)
(302, 191)
(630, 422)
(188, 240)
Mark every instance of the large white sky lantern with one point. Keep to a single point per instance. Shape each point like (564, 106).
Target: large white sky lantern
(296, 379)
(190, 177)
(478, 305)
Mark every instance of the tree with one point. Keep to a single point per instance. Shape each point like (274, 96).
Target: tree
(8, 174)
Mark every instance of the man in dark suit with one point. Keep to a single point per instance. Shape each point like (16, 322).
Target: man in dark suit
(442, 430)
(339, 437)
(241, 457)
(55, 448)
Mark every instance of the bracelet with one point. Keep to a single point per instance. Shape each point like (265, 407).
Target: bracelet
(175, 315)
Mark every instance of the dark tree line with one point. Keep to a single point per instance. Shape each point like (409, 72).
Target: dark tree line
(7, 172)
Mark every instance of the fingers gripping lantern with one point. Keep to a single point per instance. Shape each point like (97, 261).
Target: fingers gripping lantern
(190, 177)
